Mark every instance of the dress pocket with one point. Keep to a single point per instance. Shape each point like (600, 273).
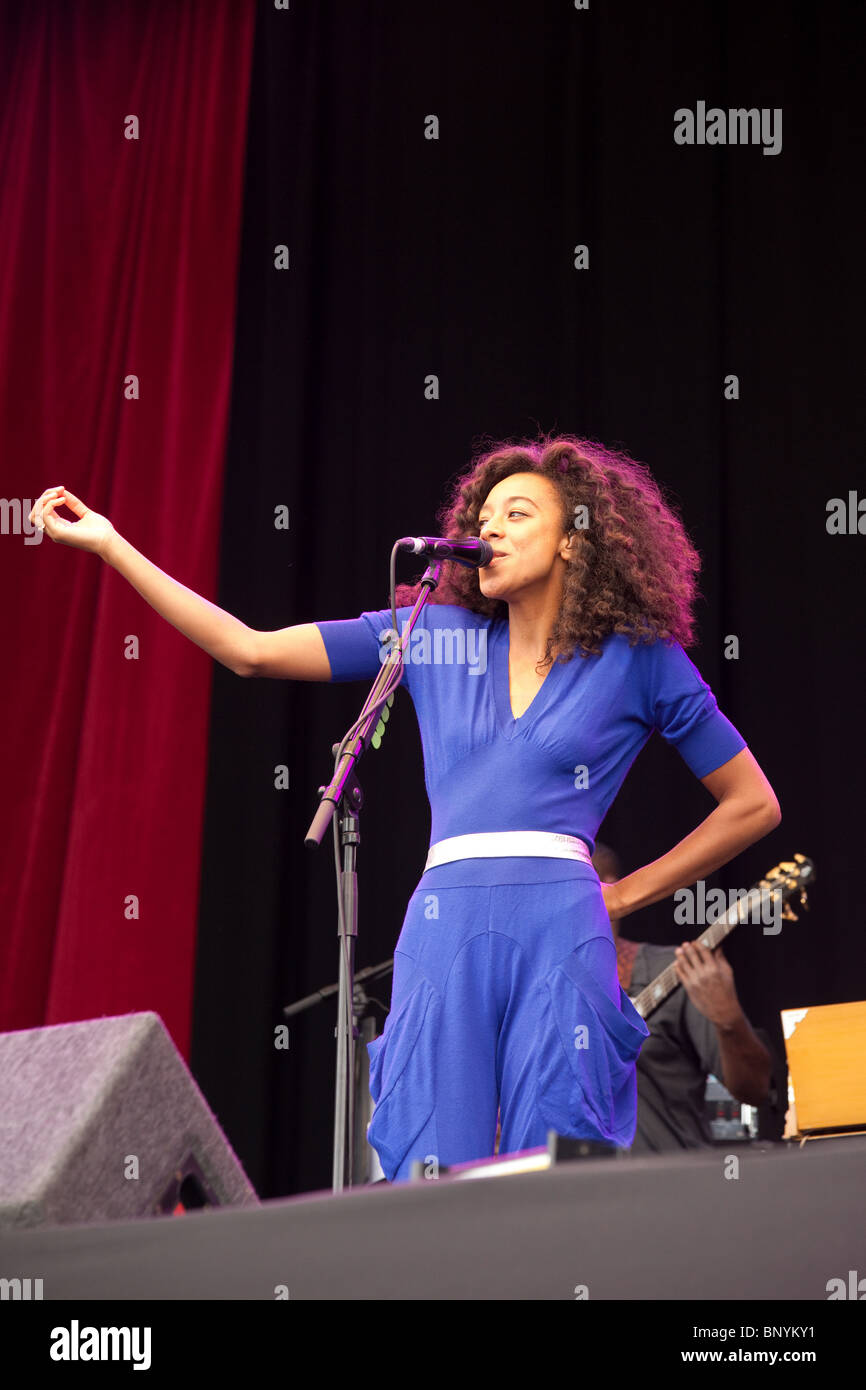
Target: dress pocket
(402, 1081)
(588, 1048)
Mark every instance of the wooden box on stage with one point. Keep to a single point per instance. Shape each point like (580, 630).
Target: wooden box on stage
(826, 1049)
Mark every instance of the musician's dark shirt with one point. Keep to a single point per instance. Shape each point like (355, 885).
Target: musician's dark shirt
(674, 1062)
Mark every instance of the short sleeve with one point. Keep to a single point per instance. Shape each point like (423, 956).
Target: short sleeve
(355, 646)
(684, 710)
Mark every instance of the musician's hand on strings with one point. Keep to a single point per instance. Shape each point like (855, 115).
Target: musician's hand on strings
(708, 980)
(90, 532)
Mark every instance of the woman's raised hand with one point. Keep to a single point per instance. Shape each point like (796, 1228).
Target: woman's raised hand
(90, 532)
(291, 653)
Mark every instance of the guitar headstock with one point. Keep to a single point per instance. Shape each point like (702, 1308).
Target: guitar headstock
(791, 878)
(785, 881)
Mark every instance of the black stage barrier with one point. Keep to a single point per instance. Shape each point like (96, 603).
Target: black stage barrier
(677, 1227)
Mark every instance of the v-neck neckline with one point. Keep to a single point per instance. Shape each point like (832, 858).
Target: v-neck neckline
(510, 724)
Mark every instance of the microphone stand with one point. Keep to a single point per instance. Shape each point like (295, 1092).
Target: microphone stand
(343, 794)
(365, 1023)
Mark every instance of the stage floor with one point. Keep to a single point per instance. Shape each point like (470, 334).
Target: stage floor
(650, 1228)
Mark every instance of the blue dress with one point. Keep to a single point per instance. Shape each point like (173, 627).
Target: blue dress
(505, 994)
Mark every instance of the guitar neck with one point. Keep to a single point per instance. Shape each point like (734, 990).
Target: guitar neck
(657, 991)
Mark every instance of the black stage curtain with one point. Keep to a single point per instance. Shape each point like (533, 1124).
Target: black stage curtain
(411, 256)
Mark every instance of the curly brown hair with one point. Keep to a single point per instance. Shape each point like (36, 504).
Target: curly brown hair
(634, 568)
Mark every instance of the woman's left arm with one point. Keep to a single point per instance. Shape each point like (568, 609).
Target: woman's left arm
(747, 810)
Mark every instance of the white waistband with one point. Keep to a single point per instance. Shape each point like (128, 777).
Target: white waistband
(516, 844)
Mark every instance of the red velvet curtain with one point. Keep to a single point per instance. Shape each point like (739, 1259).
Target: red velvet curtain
(122, 138)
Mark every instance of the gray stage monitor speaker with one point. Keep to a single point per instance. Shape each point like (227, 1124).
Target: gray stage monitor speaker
(102, 1121)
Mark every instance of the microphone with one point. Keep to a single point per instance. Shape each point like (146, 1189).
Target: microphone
(471, 551)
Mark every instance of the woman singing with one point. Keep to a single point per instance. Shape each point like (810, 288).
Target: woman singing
(569, 653)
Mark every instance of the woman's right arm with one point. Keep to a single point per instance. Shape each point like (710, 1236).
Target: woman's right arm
(292, 653)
